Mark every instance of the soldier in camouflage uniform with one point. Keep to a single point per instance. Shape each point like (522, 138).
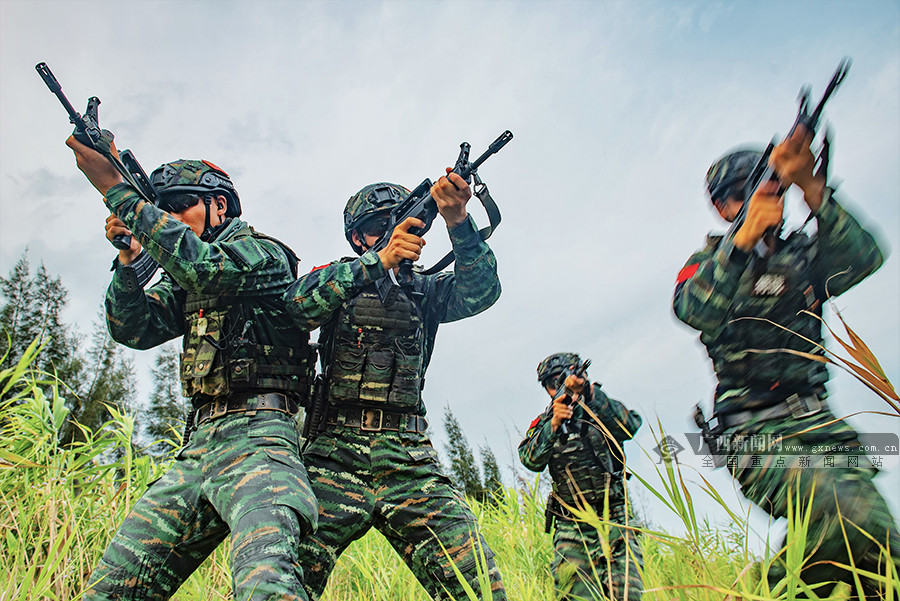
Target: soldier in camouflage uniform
(370, 461)
(721, 292)
(245, 367)
(587, 466)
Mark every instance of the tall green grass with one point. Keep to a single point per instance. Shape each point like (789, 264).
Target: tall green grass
(59, 506)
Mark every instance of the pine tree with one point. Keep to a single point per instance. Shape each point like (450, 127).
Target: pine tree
(493, 481)
(102, 375)
(61, 353)
(17, 291)
(166, 413)
(32, 311)
(108, 380)
(463, 470)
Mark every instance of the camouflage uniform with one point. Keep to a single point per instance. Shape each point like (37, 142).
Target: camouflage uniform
(587, 464)
(240, 472)
(781, 394)
(372, 464)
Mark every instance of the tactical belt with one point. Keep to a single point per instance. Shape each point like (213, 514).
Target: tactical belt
(375, 420)
(556, 511)
(797, 406)
(594, 498)
(270, 401)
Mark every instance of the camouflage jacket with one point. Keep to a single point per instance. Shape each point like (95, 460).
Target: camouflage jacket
(236, 263)
(725, 293)
(541, 444)
(472, 287)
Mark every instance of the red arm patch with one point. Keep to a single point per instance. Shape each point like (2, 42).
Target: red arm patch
(319, 267)
(687, 273)
(535, 422)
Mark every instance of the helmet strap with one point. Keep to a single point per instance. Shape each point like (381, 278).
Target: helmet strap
(208, 230)
(363, 247)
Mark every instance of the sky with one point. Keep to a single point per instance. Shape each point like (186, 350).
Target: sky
(617, 110)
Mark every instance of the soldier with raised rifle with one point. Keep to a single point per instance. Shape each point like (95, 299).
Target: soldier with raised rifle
(579, 437)
(245, 368)
(755, 293)
(370, 460)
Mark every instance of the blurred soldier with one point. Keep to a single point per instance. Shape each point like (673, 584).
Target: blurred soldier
(245, 368)
(725, 290)
(587, 466)
(370, 461)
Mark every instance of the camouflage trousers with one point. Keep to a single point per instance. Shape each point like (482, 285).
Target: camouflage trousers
(584, 570)
(846, 509)
(239, 474)
(392, 482)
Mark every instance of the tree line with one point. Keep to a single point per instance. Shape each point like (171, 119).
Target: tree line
(97, 373)
(94, 372)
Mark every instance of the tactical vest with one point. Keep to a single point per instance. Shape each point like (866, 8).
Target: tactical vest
(375, 354)
(244, 344)
(775, 288)
(586, 463)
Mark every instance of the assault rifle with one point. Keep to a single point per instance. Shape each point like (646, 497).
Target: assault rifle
(762, 172)
(578, 370)
(88, 132)
(421, 205)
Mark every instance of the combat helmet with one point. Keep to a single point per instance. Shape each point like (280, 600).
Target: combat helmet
(368, 202)
(549, 370)
(729, 170)
(195, 177)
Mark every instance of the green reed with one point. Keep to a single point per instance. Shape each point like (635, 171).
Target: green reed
(59, 507)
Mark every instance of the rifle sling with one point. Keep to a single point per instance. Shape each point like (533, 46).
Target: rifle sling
(493, 213)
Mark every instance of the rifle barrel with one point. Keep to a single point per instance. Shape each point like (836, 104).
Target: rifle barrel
(501, 141)
(47, 75)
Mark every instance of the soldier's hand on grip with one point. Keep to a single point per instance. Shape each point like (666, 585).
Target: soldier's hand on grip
(575, 384)
(793, 162)
(402, 245)
(96, 167)
(562, 411)
(765, 210)
(116, 227)
(451, 193)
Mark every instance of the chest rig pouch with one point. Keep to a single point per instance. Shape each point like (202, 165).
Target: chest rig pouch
(776, 288)
(585, 466)
(223, 353)
(244, 343)
(376, 353)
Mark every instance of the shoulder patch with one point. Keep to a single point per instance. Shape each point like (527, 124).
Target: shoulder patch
(686, 273)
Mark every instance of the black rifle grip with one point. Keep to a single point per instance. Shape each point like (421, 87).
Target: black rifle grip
(122, 241)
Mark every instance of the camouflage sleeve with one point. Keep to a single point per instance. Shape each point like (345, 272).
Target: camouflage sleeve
(706, 286)
(139, 319)
(314, 297)
(244, 264)
(535, 449)
(842, 245)
(621, 421)
(474, 284)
